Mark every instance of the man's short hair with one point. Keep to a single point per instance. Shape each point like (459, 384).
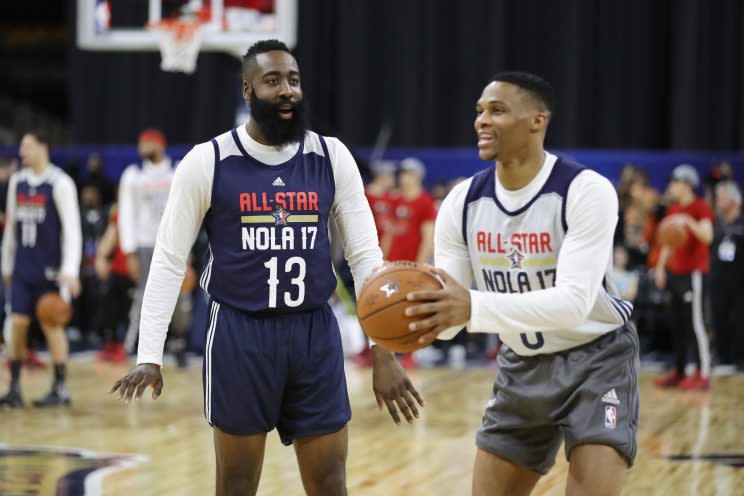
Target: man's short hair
(41, 135)
(537, 87)
(263, 46)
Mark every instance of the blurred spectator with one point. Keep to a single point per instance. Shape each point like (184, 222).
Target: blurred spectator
(656, 214)
(727, 274)
(721, 171)
(626, 281)
(98, 179)
(7, 167)
(627, 175)
(116, 291)
(439, 193)
(639, 201)
(93, 224)
(378, 193)
(412, 232)
(143, 193)
(684, 283)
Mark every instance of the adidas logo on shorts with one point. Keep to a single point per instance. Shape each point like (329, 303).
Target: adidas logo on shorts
(278, 182)
(611, 397)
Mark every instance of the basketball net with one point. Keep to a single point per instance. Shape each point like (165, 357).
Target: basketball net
(179, 42)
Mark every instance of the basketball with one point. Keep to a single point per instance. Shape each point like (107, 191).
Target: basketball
(52, 310)
(382, 304)
(672, 231)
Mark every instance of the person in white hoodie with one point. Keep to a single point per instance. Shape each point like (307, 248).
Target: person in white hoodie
(143, 193)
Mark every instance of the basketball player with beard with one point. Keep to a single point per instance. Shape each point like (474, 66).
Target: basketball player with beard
(534, 232)
(266, 192)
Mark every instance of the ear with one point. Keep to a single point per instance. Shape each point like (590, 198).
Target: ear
(246, 90)
(540, 121)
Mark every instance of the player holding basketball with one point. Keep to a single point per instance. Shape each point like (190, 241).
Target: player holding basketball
(687, 266)
(535, 231)
(273, 359)
(42, 248)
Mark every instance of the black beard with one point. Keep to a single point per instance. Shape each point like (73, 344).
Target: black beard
(277, 131)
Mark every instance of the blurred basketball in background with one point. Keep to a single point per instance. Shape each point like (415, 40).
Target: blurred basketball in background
(52, 310)
(672, 230)
(382, 304)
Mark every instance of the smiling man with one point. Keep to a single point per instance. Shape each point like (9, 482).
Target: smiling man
(534, 232)
(267, 192)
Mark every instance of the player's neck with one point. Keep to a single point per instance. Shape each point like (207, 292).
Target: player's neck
(40, 168)
(376, 189)
(254, 132)
(158, 159)
(517, 172)
(687, 199)
(732, 215)
(411, 192)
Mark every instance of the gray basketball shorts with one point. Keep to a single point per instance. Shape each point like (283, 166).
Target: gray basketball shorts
(584, 395)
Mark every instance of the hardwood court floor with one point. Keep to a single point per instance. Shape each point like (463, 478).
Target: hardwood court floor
(166, 446)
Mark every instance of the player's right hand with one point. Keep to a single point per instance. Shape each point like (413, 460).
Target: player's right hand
(135, 382)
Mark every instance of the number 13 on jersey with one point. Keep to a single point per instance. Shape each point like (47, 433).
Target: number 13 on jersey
(298, 281)
(308, 242)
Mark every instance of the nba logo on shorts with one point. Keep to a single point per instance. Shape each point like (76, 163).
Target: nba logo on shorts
(610, 416)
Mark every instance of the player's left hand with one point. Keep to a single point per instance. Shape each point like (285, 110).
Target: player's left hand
(72, 283)
(450, 306)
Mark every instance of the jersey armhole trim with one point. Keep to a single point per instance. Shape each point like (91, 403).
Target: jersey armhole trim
(330, 164)
(474, 190)
(564, 201)
(214, 173)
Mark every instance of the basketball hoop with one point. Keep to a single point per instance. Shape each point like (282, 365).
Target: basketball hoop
(179, 42)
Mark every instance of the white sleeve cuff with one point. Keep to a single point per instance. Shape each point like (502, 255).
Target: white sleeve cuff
(450, 333)
(157, 360)
(481, 320)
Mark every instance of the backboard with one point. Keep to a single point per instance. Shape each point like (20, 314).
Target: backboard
(230, 25)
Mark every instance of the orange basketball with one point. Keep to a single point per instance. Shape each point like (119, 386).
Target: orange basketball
(672, 231)
(382, 304)
(52, 310)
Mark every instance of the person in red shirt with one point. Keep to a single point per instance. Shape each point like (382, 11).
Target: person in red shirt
(680, 272)
(411, 236)
(378, 193)
(111, 268)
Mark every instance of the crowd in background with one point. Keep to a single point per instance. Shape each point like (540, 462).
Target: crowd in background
(637, 249)
(404, 212)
